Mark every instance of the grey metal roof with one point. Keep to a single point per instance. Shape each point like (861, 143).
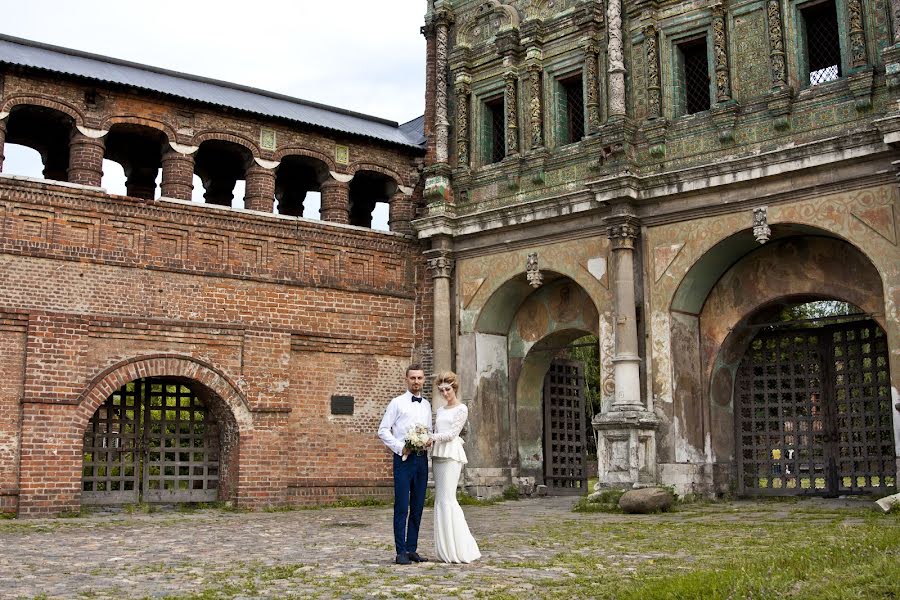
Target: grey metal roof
(26, 53)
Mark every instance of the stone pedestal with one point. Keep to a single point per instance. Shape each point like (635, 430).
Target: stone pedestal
(626, 448)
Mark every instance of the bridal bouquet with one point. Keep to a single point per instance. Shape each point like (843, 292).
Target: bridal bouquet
(415, 439)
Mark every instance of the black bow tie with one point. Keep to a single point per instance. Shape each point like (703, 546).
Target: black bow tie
(416, 398)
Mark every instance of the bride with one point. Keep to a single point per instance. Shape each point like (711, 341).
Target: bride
(452, 540)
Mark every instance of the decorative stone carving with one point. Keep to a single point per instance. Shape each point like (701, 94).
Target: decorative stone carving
(491, 18)
(776, 44)
(761, 230)
(441, 266)
(535, 111)
(654, 92)
(592, 86)
(616, 58)
(895, 20)
(622, 235)
(512, 114)
(462, 122)
(857, 35)
(532, 271)
(720, 55)
(442, 19)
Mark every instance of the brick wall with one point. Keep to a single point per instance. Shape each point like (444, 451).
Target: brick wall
(273, 315)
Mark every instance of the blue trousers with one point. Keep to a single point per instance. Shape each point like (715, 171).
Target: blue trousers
(410, 479)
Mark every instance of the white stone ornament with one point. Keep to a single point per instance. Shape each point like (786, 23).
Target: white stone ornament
(761, 230)
(532, 272)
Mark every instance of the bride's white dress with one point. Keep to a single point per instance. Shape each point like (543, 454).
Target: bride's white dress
(452, 540)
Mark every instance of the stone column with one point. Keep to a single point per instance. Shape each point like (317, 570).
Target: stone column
(511, 97)
(654, 90)
(259, 191)
(463, 89)
(858, 53)
(535, 106)
(3, 121)
(895, 21)
(720, 55)
(441, 266)
(442, 20)
(141, 182)
(616, 59)
(86, 150)
(592, 86)
(335, 201)
(401, 211)
(776, 44)
(178, 173)
(623, 232)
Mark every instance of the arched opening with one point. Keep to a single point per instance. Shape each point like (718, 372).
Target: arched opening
(812, 402)
(46, 130)
(370, 194)
(220, 165)
(725, 300)
(160, 440)
(297, 186)
(138, 150)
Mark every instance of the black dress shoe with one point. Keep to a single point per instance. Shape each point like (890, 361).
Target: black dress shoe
(403, 559)
(415, 557)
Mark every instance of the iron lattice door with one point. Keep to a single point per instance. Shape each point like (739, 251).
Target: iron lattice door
(814, 412)
(152, 440)
(564, 469)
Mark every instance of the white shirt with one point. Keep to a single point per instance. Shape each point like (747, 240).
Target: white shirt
(402, 414)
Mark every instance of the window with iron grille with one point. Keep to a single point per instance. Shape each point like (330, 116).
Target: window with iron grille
(823, 42)
(495, 130)
(694, 75)
(571, 109)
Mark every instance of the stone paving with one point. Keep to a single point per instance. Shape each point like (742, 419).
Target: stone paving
(325, 553)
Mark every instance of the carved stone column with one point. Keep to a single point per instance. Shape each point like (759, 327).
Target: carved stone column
(720, 55)
(401, 211)
(895, 20)
(626, 433)
(178, 173)
(86, 150)
(616, 59)
(776, 44)
(512, 113)
(3, 121)
(535, 107)
(592, 86)
(858, 53)
(463, 90)
(440, 264)
(442, 20)
(654, 90)
(335, 201)
(259, 193)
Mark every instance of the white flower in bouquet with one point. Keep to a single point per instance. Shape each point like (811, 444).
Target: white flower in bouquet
(416, 439)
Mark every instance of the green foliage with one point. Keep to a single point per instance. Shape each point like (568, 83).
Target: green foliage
(817, 310)
(605, 501)
(511, 493)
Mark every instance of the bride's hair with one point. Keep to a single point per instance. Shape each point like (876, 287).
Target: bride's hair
(447, 377)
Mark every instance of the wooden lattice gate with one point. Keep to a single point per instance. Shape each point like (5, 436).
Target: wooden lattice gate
(813, 412)
(152, 440)
(564, 461)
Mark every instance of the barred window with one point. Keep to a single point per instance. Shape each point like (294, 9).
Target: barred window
(694, 74)
(571, 109)
(495, 130)
(823, 43)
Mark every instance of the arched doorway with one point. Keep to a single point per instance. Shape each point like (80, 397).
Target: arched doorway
(158, 440)
(813, 407)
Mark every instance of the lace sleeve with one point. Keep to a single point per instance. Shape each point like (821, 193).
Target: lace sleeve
(456, 425)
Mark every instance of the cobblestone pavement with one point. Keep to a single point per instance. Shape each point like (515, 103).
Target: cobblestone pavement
(326, 553)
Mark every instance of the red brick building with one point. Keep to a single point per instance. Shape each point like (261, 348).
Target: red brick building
(158, 349)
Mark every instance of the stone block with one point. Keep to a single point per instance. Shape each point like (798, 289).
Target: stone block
(646, 500)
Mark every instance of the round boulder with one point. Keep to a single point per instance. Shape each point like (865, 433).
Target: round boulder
(646, 500)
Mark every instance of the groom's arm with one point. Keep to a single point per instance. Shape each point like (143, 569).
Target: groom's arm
(384, 430)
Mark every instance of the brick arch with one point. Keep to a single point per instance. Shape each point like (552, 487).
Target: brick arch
(286, 151)
(163, 365)
(165, 128)
(365, 166)
(209, 135)
(24, 99)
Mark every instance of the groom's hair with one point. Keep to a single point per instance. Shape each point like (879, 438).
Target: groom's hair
(414, 367)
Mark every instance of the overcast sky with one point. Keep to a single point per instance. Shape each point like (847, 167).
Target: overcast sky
(363, 55)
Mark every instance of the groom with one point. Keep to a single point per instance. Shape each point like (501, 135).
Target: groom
(410, 475)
